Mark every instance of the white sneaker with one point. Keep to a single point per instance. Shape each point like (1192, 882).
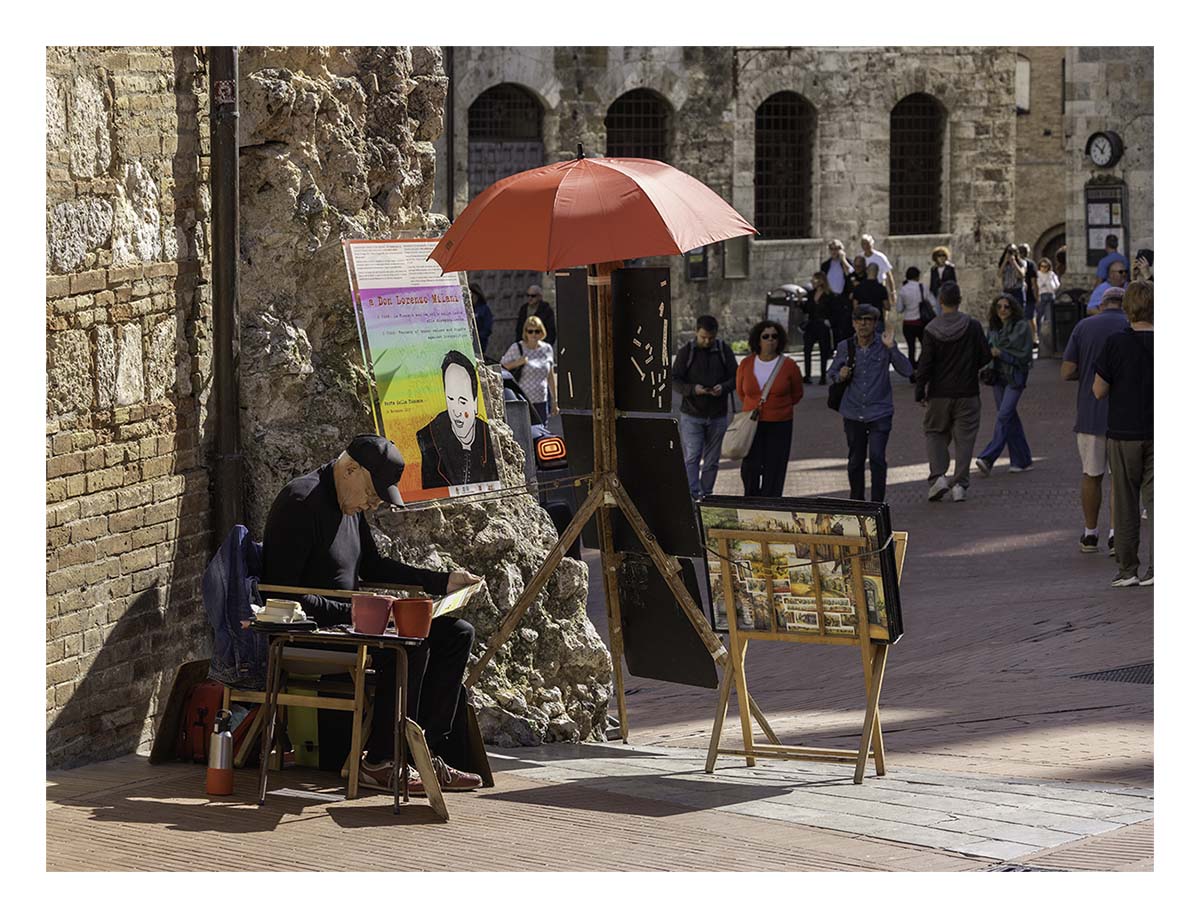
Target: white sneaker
(938, 489)
(1016, 469)
(958, 493)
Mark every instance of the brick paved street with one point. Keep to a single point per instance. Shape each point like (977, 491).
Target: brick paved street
(997, 756)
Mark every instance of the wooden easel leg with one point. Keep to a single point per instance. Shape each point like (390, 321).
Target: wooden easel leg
(534, 586)
(871, 655)
(616, 641)
(762, 720)
(880, 661)
(719, 720)
(738, 651)
(871, 718)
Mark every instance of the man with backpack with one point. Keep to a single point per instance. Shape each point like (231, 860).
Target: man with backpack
(703, 373)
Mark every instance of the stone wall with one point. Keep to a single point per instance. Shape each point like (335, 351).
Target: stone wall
(128, 325)
(713, 94)
(337, 143)
(1109, 89)
(1040, 197)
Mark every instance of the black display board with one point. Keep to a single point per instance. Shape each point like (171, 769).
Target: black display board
(642, 339)
(650, 466)
(660, 642)
(572, 357)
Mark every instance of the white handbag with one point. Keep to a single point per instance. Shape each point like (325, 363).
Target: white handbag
(740, 434)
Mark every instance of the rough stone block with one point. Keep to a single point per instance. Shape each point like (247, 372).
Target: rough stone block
(88, 125)
(130, 385)
(125, 520)
(68, 384)
(103, 479)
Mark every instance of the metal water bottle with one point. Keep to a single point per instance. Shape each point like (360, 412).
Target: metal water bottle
(219, 781)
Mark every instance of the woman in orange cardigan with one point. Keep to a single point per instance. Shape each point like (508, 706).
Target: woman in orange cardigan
(765, 466)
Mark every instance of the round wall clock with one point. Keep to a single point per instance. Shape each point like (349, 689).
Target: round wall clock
(1104, 148)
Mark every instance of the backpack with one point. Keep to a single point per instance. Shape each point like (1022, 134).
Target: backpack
(926, 311)
(196, 726)
(691, 354)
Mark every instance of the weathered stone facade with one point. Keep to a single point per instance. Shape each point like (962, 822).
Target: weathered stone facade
(128, 318)
(1040, 196)
(713, 94)
(1109, 89)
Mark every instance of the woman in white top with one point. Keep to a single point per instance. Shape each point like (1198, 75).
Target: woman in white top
(912, 295)
(1047, 284)
(535, 360)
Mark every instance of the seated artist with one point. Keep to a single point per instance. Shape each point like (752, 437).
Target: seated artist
(317, 536)
(456, 446)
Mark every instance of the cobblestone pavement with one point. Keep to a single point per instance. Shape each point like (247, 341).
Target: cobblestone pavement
(999, 756)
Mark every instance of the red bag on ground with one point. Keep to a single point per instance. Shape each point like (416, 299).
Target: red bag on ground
(199, 714)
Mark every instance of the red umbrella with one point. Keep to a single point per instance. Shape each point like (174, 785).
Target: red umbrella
(586, 211)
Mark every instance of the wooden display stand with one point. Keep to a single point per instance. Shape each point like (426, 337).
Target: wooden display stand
(607, 493)
(874, 654)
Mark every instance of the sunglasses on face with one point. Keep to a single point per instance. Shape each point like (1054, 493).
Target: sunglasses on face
(534, 331)
(531, 296)
(768, 337)
(1120, 271)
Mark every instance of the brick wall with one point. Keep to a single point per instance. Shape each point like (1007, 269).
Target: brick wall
(1041, 197)
(128, 325)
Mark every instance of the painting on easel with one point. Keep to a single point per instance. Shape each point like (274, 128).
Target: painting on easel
(783, 586)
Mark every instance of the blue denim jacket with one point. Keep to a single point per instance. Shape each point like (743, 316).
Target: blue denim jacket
(869, 395)
(239, 656)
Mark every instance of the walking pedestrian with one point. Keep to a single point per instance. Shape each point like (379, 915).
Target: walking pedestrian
(536, 306)
(876, 257)
(942, 270)
(703, 373)
(765, 466)
(915, 309)
(1012, 355)
(535, 359)
(870, 292)
(1030, 289)
(1118, 276)
(839, 278)
(1047, 284)
(1091, 414)
(818, 330)
(1011, 274)
(867, 407)
(1125, 373)
(953, 350)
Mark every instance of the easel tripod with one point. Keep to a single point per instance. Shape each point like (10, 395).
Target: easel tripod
(607, 493)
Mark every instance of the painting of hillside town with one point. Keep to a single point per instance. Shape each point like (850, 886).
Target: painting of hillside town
(790, 574)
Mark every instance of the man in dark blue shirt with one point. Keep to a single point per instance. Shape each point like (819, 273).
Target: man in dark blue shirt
(866, 409)
(316, 535)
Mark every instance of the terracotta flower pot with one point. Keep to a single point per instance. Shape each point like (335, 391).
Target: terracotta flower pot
(369, 613)
(413, 617)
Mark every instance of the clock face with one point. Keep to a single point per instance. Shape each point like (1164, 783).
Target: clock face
(1101, 151)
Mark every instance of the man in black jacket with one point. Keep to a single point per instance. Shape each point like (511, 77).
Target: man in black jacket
(317, 536)
(536, 306)
(704, 373)
(954, 349)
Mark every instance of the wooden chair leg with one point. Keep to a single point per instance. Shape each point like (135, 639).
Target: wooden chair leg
(248, 743)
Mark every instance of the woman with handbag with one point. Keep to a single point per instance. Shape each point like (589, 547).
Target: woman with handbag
(768, 386)
(531, 361)
(1012, 351)
(916, 309)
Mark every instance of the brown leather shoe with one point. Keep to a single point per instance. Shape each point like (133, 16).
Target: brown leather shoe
(451, 779)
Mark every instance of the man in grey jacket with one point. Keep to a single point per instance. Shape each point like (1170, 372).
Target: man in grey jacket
(954, 349)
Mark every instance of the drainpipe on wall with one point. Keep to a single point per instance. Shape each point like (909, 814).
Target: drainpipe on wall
(223, 183)
(450, 134)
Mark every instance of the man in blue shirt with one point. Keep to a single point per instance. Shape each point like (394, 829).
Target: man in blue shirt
(1118, 276)
(866, 407)
(1084, 348)
(1111, 255)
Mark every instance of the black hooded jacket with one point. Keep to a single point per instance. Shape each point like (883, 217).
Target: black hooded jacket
(954, 349)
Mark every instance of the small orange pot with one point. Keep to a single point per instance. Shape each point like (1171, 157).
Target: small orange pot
(413, 617)
(369, 614)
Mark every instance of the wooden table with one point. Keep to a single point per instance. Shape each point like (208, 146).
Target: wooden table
(411, 736)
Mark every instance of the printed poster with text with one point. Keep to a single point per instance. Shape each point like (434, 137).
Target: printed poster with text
(418, 344)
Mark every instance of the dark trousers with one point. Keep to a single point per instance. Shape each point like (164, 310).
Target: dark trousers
(765, 466)
(912, 335)
(819, 334)
(1008, 431)
(435, 673)
(1132, 464)
(867, 438)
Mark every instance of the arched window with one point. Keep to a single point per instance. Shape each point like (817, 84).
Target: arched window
(638, 125)
(918, 136)
(504, 136)
(783, 145)
(504, 112)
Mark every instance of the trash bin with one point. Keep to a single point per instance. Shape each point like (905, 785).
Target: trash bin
(785, 305)
(1069, 307)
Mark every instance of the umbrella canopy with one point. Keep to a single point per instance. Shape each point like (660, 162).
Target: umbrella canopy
(586, 211)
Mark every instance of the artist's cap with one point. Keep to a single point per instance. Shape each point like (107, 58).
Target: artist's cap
(865, 311)
(1112, 293)
(382, 459)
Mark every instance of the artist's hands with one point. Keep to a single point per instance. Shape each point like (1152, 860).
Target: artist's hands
(460, 579)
